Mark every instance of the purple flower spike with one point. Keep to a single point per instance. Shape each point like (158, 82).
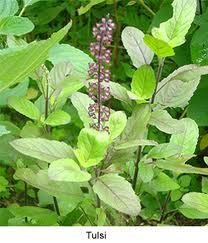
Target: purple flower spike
(98, 89)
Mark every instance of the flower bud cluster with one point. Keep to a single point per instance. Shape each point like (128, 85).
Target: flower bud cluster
(99, 71)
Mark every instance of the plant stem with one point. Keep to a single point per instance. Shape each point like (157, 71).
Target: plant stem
(164, 207)
(56, 207)
(159, 74)
(136, 170)
(147, 7)
(200, 7)
(26, 220)
(139, 150)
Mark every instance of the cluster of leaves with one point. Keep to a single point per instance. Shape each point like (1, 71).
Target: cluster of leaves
(151, 167)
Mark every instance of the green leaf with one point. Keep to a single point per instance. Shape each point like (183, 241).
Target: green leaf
(41, 216)
(143, 82)
(84, 9)
(31, 2)
(92, 146)
(15, 25)
(41, 181)
(58, 118)
(43, 149)
(164, 151)
(197, 201)
(117, 123)
(188, 139)
(24, 106)
(146, 172)
(177, 89)
(136, 143)
(67, 170)
(205, 185)
(66, 53)
(136, 124)
(179, 167)
(8, 8)
(5, 215)
(18, 90)
(192, 213)
(159, 47)
(165, 123)
(81, 102)
(163, 183)
(138, 51)
(3, 184)
(175, 29)
(3, 130)
(23, 61)
(117, 193)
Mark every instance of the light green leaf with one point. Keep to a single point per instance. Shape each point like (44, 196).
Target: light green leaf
(205, 185)
(42, 182)
(117, 123)
(136, 124)
(92, 146)
(43, 149)
(206, 160)
(175, 29)
(178, 88)
(84, 9)
(24, 106)
(58, 118)
(117, 193)
(31, 2)
(163, 183)
(59, 73)
(143, 82)
(3, 130)
(192, 213)
(164, 150)
(179, 167)
(196, 200)
(15, 25)
(136, 143)
(81, 102)
(188, 139)
(67, 170)
(159, 47)
(8, 8)
(165, 123)
(66, 53)
(138, 51)
(146, 172)
(23, 61)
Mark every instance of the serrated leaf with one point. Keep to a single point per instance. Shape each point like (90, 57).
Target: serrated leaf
(178, 88)
(67, 170)
(136, 143)
(164, 150)
(81, 102)
(23, 61)
(165, 123)
(159, 47)
(8, 8)
(43, 149)
(117, 123)
(188, 139)
(24, 106)
(174, 165)
(175, 29)
(91, 147)
(196, 200)
(117, 193)
(143, 82)
(58, 118)
(41, 181)
(138, 51)
(15, 25)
